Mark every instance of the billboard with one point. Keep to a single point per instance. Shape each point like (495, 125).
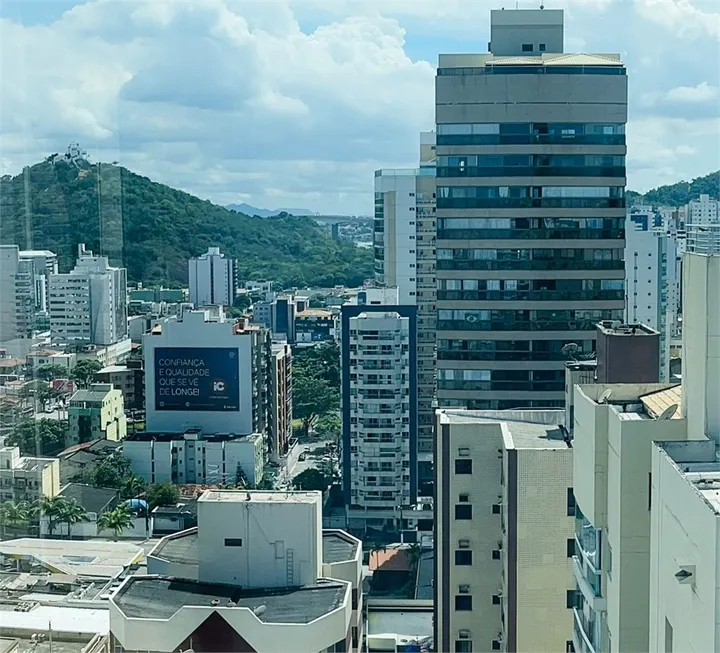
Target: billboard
(197, 378)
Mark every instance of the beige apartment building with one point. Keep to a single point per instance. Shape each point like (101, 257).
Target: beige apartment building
(27, 478)
(503, 531)
(530, 211)
(97, 413)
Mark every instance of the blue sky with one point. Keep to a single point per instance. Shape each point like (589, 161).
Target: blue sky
(296, 102)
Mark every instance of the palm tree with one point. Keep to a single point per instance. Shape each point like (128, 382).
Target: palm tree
(118, 520)
(132, 486)
(71, 512)
(52, 508)
(13, 513)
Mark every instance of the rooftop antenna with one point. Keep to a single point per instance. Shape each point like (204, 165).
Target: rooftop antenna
(668, 412)
(605, 396)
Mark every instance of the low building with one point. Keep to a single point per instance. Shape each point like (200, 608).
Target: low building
(27, 478)
(95, 500)
(315, 325)
(173, 519)
(129, 379)
(257, 574)
(78, 461)
(97, 413)
(40, 357)
(196, 457)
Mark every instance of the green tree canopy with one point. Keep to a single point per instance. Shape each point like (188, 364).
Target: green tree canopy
(114, 471)
(311, 479)
(42, 437)
(328, 427)
(312, 397)
(321, 361)
(85, 370)
(14, 513)
(162, 494)
(50, 371)
(39, 390)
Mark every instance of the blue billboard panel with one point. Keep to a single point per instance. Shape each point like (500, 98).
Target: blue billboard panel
(197, 378)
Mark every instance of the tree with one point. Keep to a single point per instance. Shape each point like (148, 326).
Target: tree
(312, 397)
(132, 486)
(311, 479)
(321, 361)
(71, 512)
(84, 371)
(50, 371)
(111, 472)
(328, 427)
(162, 494)
(42, 437)
(118, 520)
(39, 390)
(14, 513)
(52, 508)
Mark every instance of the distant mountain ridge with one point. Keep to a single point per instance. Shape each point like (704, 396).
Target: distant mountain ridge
(248, 209)
(680, 193)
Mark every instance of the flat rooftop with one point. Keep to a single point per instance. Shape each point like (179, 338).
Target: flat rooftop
(161, 436)
(241, 496)
(64, 619)
(525, 429)
(93, 558)
(152, 597)
(338, 547)
(610, 328)
(544, 60)
(699, 465)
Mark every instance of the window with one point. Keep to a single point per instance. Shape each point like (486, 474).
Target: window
(463, 558)
(463, 646)
(571, 547)
(608, 559)
(542, 47)
(496, 554)
(463, 602)
(233, 541)
(496, 509)
(527, 47)
(572, 599)
(495, 599)
(570, 502)
(668, 636)
(463, 511)
(464, 498)
(495, 645)
(463, 465)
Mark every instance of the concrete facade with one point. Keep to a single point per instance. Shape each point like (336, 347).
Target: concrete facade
(26, 478)
(97, 413)
(281, 401)
(16, 296)
(212, 279)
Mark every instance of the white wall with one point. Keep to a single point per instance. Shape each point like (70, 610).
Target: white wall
(262, 525)
(194, 332)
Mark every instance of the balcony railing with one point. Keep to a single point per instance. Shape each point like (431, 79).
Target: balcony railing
(582, 634)
(531, 295)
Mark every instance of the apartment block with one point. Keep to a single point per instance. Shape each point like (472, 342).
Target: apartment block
(88, 305)
(404, 241)
(97, 413)
(41, 264)
(27, 478)
(257, 574)
(315, 325)
(281, 401)
(129, 379)
(530, 211)
(196, 457)
(503, 531)
(212, 279)
(16, 296)
(379, 409)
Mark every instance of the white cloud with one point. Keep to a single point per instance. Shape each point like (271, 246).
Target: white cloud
(235, 102)
(703, 92)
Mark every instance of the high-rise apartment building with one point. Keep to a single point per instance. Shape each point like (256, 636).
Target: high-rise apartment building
(281, 401)
(404, 240)
(379, 409)
(16, 295)
(41, 263)
(652, 278)
(88, 305)
(530, 210)
(503, 531)
(702, 211)
(212, 279)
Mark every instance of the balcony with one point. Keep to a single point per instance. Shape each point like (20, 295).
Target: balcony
(582, 633)
(531, 295)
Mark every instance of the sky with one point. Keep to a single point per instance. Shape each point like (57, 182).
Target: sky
(294, 103)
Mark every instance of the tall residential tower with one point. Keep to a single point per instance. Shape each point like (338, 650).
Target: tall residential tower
(530, 211)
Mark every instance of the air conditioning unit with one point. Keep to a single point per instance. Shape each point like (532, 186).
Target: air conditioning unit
(463, 634)
(464, 589)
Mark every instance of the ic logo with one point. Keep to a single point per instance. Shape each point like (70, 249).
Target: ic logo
(218, 386)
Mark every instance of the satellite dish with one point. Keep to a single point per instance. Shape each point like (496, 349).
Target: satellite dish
(570, 349)
(668, 412)
(605, 396)
(260, 610)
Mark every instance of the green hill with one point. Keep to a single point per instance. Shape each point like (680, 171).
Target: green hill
(153, 229)
(680, 193)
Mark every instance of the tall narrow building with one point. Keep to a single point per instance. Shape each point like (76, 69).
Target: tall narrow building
(404, 240)
(530, 211)
(212, 279)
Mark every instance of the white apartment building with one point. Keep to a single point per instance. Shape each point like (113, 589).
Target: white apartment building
(89, 303)
(379, 410)
(652, 281)
(257, 574)
(404, 240)
(212, 279)
(281, 404)
(644, 479)
(16, 296)
(196, 457)
(27, 478)
(703, 211)
(41, 264)
(503, 531)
